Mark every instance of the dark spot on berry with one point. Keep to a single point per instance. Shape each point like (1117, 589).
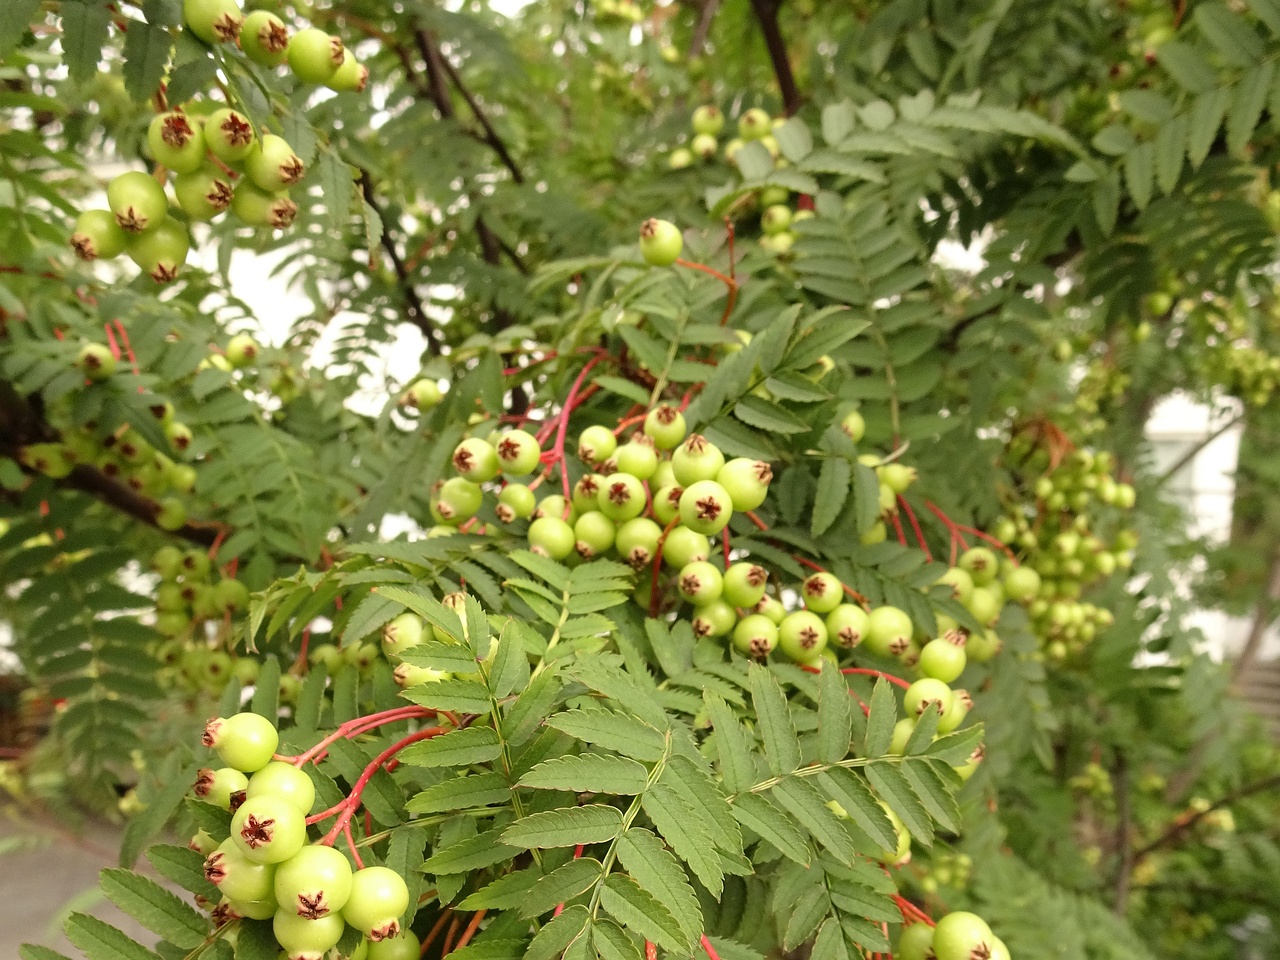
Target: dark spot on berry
(223, 913)
(690, 583)
(666, 414)
(257, 833)
(237, 131)
(204, 783)
(237, 800)
(759, 647)
(757, 576)
(313, 907)
(176, 130)
(708, 508)
(215, 867)
(463, 460)
(808, 638)
(227, 27)
(387, 931)
(697, 443)
(619, 493)
(273, 37)
(291, 171)
(763, 472)
(211, 728)
(508, 449)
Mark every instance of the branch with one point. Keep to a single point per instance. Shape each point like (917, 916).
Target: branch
(767, 15)
(1191, 454)
(1124, 834)
(414, 308)
(705, 16)
(490, 134)
(1182, 826)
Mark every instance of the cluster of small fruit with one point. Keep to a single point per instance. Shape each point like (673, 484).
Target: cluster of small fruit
(209, 147)
(187, 596)
(958, 936)
(1056, 537)
(267, 870)
(408, 630)
(947, 870)
(755, 124)
(1230, 357)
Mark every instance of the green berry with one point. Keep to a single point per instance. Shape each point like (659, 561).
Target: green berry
(244, 741)
(802, 635)
(915, 943)
(637, 541)
(171, 514)
(754, 124)
(666, 426)
(302, 938)
(961, 704)
(847, 625)
(515, 501)
(744, 585)
(981, 564)
(595, 444)
(457, 501)
(666, 504)
(213, 21)
(97, 362)
(138, 202)
(683, 546)
(218, 786)
(586, 492)
(161, 251)
(660, 242)
(98, 234)
(696, 459)
(594, 533)
(822, 592)
(379, 897)
(257, 208)
(927, 693)
(556, 506)
(962, 936)
(315, 56)
(959, 581)
(756, 636)
(889, 631)
(1022, 584)
(404, 947)
(314, 883)
(476, 460)
(421, 395)
(708, 119)
(942, 660)
(638, 457)
(264, 39)
(272, 165)
(775, 219)
(714, 619)
(176, 142)
(229, 135)
(853, 426)
(268, 829)
(283, 780)
(746, 481)
(700, 583)
(621, 497)
(551, 537)
(351, 77)
(705, 507)
(518, 453)
(236, 876)
(772, 608)
(704, 146)
(203, 194)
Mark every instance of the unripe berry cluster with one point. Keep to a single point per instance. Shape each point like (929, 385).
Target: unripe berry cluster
(957, 936)
(267, 870)
(219, 161)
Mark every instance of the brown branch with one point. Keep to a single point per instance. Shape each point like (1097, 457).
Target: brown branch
(700, 32)
(1124, 834)
(490, 134)
(414, 308)
(767, 15)
(103, 488)
(1182, 826)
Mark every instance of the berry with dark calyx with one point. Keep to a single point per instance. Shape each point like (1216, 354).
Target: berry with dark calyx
(97, 361)
(138, 202)
(927, 693)
(218, 786)
(213, 21)
(853, 425)
(700, 583)
(847, 625)
(802, 635)
(705, 507)
(314, 883)
(315, 56)
(476, 460)
(638, 457)
(704, 146)
(304, 939)
(660, 242)
(962, 936)
(755, 635)
(179, 435)
(203, 194)
(272, 165)
(708, 119)
(242, 350)
(268, 829)
(897, 477)
(176, 142)
(714, 619)
(754, 124)
(229, 135)
(586, 492)
(665, 426)
(889, 631)
(230, 595)
(822, 592)
(637, 541)
(961, 704)
(283, 780)
(915, 943)
(351, 77)
(942, 660)
(379, 897)
(161, 251)
(731, 148)
(98, 234)
(594, 534)
(236, 876)
(264, 38)
(666, 504)
(595, 444)
(456, 501)
(551, 537)
(621, 497)
(696, 459)
(518, 453)
(746, 481)
(257, 208)
(515, 501)
(554, 506)
(981, 564)
(772, 608)
(245, 741)
(683, 546)
(326, 657)
(959, 581)
(400, 634)
(421, 395)
(744, 584)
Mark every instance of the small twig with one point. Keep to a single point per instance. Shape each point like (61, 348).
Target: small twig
(1183, 825)
(767, 15)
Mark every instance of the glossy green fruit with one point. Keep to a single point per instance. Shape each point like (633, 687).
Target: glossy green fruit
(171, 514)
(230, 595)
(457, 501)
(700, 583)
(404, 947)
(802, 635)
(754, 124)
(594, 534)
(714, 619)
(707, 119)
(213, 21)
(621, 497)
(264, 38)
(244, 741)
(704, 146)
(257, 208)
(551, 537)
(744, 584)
(889, 631)
(515, 501)
(204, 194)
(268, 829)
(665, 426)
(637, 541)
(775, 219)
(961, 704)
(236, 876)
(683, 546)
(962, 936)
(315, 56)
(138, 202)
(229, 135)
(942, 660)
(176, 142)
(660, 242)
(822, 592)
(476, 460)
(756, 635)
(705, 507)
(981, 564)
(1022, 584)
(285, 781)
(97, 361)
(595, 444)
(304, 939)
(351, 77)
(984, 605)
(421, 395)
(217, 786)
(854, 426)
(927, 693)
(696, 459)
(746, 481)
(98, 234)
(400, 634)
(915, 943)
(518, 453)
(847, 625)
(379, 897)
(272, 165)
(314, 883)
(637, 457)
(959, 581)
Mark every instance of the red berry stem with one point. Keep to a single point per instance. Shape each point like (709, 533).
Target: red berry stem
(728, 236)
(711, 951)
(998, 544)
(351, 845)
(347, 808)
(910, 912)
(657, 565)
(355, 727)
(650, 950)
(952, 528)
(897, 529)
(626, 422)
(915, 525)
(577, 854)
(470, 931)
(724, 534)
(861, 672)
(729, 282)
(430, 938)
